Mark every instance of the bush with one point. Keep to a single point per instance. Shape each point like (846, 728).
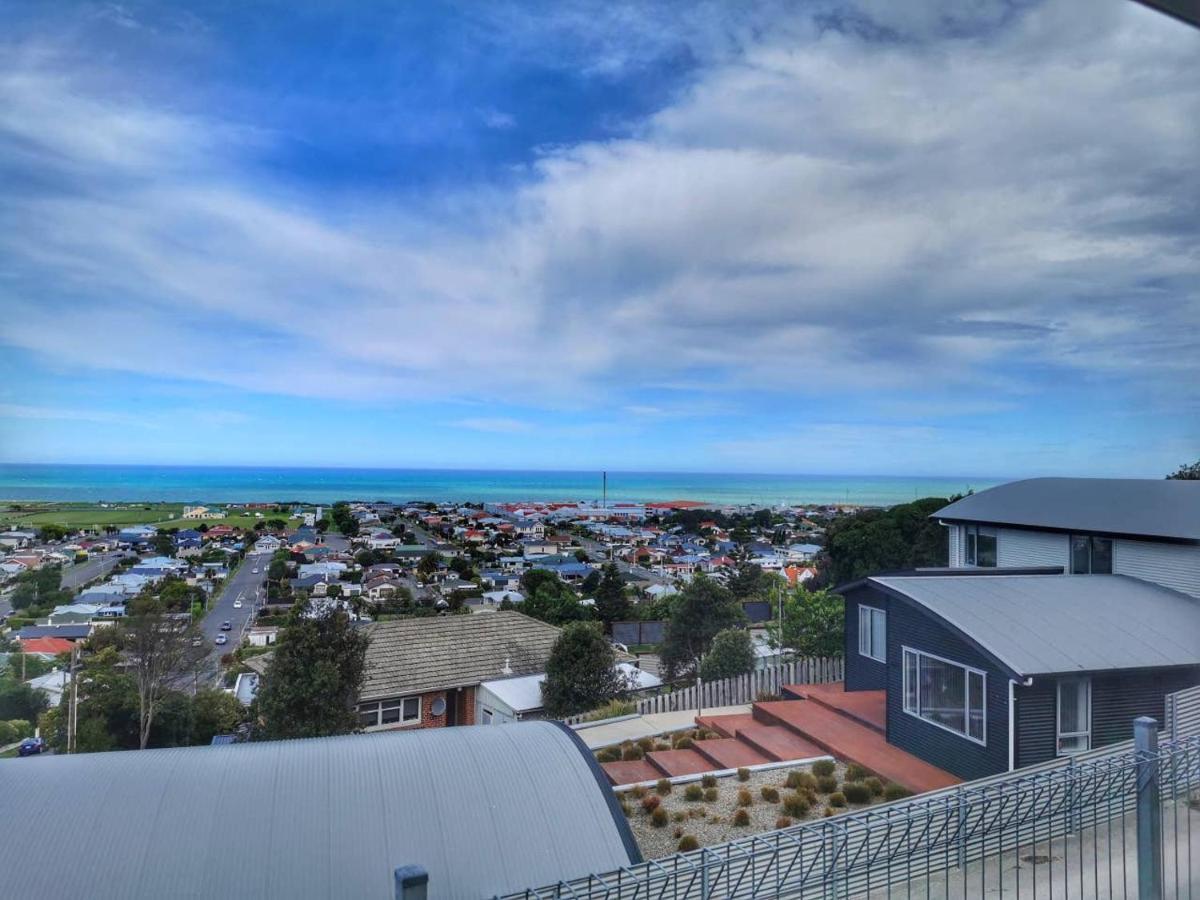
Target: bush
(770, 794)
(855, 772)
(639, 792)
(856, 792)
(650, 802)
(874, 785)
(611, 710)
(710, 795)
(693, 793)
(663, 787)
(741, 817)
(632, 752)
(801, 781)
(743, 774)
(827, 784)
(609, 754)
(837, 799)
(709, 781)
(766, 697)
(823, 768)
(678, 816)
(687, 842)
(647, 744)
(893, 791)
(625, 809)
(659, 817)
(796, 805)
(783, 822)
(684, 743)
(828, 812)
(745, 798)
(663, 745)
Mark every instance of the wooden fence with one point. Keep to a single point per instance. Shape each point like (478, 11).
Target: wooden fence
(745, 688)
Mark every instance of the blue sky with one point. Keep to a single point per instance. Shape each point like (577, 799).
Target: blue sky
(866, 237)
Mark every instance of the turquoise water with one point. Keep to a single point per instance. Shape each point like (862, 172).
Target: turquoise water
(225, 484)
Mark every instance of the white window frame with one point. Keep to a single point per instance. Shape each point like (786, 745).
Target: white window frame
(392, 703)
(967, 670)
(1059, 734)
(866, 632)
(970, 548)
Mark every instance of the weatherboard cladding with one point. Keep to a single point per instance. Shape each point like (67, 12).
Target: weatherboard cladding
(1173, 565)
(1020, 547)
(1038, 624)
(483, 810)
(862, 672)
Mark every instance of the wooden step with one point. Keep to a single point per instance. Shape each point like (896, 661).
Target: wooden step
(778, 743)
(725, 725)
(730, 753)
(678, 762)
(868, 708)
(630, 771)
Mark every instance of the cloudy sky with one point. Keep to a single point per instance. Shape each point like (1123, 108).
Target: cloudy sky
(884, 238)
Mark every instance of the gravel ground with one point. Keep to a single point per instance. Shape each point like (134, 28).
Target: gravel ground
(710, 823)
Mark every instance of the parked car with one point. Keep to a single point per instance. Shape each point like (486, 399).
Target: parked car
(226, 625)
(237, 604)
(32, 747)
(221, 639)
(197, 641)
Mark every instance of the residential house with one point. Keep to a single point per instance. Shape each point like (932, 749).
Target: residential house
(268, 543)
(1070, 606)
(46, 646)
(503, 701)
(202, 512)
(52, 684)
(136, 534)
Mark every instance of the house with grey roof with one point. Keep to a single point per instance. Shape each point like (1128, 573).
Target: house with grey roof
(1068, 608)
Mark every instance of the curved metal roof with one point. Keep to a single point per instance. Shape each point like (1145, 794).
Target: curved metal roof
(1160, 508)
(483, 809)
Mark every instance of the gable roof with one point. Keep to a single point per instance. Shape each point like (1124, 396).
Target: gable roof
(409, 656)
(1049, 624)
(1135, 506)
(53, 645)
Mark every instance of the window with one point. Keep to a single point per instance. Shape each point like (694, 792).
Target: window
(1074, 715)
(485, 715)
(981, 546)
(390, 712)
(872, 633)
(1091, 555)
(945, 693)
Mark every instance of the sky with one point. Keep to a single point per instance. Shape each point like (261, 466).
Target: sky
(865, 237)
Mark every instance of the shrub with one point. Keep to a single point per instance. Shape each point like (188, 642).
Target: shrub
(856, 792)
(823, 768)
(693, 793)
(710, 794)
(629, 753)
(893, 791)
(659, 817)
(663, 787)
(608, 754)
(801, 781)
(827, 784)
(663, 745)
(855, 772)
(639, 792)
(837, 799)
(796, 805)
(687, 842)
(770, 794)
(625, 809)
(783, 822)
(678, 833)
(709, 781)
(745, 798)
(874, 785)
(828, 812)
(741, 817)
(610, 710)
(683, 743)
(678, 817)
(766, 697)
(650, 802)
(743, 774)
(647, 744)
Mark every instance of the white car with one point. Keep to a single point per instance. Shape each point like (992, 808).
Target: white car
(237, 604)
(254, 571)
(220, 639)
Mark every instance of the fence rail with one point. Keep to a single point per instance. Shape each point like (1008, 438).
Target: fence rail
(1067, 830)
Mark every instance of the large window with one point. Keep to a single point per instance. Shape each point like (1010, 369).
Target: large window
(405, 711)
(1074, 715)
(946, 693)
(981, 546)
(1091, 555)
(872, 633)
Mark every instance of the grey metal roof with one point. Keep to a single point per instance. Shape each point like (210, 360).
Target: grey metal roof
(484, 810)
(1135, 506)
(1044, 624)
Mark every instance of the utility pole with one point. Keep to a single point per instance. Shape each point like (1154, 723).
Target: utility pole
(73, 707)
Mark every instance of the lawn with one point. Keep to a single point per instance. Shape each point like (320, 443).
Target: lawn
(87, 515)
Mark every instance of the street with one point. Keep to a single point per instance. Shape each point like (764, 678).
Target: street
(243, 585)
(600, 555)
(76, 576)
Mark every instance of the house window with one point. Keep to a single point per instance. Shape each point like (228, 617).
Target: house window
(405, 711)
(1091, 555)
(981, 546)
(872, 633)
(945, 693)
(1074, 715)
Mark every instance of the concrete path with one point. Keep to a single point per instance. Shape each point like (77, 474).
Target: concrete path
(650, 725)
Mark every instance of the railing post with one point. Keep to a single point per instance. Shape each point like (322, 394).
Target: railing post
(1149, 809)
(412, 883)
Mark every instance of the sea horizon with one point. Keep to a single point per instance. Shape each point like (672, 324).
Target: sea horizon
(97, 483)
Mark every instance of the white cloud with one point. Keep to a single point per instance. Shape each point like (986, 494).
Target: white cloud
(495, 424)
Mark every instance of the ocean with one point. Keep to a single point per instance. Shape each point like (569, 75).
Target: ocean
(227, 484)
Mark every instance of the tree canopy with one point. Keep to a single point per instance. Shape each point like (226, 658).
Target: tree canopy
(703, 608)
(732, 653)
(611, 603)
(813, 623)
(878, 540)
(581, 673)
(1186, 472)
(553, 601)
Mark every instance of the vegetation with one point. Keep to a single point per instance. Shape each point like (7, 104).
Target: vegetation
(611, 710)
(874, 785)
(611, 602)
(855, 772)
(731, 654)
(581, 673)
(782, 822)
(1187, 472)
(744, 798)
(709, 781)
(662, 787)
(741, 818)
(650, 802)
(688, 843)
(826, 784)
(893, 791)
(856, 792)
(823, 767)
(693, 793)
(770, 794)
(813, 623)
(701, 610)
(743, 774)
(801, 781)
(878, 540)
(837, 800)
(796, 805)
(710, 795)
(659, 818)
(161, 649)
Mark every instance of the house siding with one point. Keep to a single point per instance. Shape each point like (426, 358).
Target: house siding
(862, 672)
(956, 546)
(1171, 565)
(1018, 547)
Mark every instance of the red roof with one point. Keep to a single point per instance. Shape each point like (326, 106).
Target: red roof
(46, 645)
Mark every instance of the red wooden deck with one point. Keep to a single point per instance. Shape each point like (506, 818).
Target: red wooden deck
(867, 707)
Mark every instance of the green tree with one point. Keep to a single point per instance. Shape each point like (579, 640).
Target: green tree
(428, 565)
(313, 680)
(703, 608)
(813, 623)
(750, 582)
(164, 544)
(731, 653)
(589, 585)
(20, 701)
(52, 533)
(879, 540)
(554, 602)
(1187, 472)
(581, 672)
(277, 570)
(532, 579)
(161, 649)
(611, 603)
(214, 712)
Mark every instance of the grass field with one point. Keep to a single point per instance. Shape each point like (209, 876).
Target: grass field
(87, 515)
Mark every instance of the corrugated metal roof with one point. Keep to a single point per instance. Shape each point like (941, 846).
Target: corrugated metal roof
(524, 693)
(1137, 506)
(1043, 624)
(485, 810)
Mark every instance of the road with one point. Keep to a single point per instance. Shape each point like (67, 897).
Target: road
(76, 576)
(599, 553)
(245, 585)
